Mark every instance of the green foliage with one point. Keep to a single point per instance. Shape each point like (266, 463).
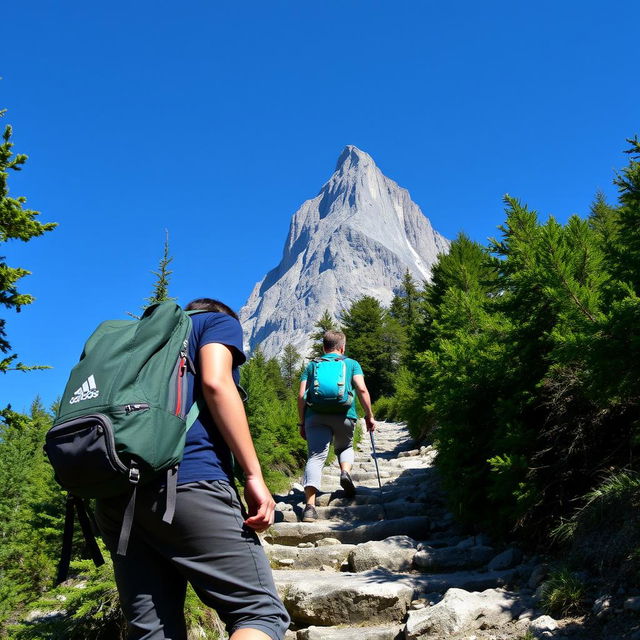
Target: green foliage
(603, 533)
(404, 306)
(273, 416)
(84, 607)
(324, 323)
(160, 291)
(523, 363)
(31, 509)
(374, 339)
(628, 238)
(606, 502)
(290, 366)
(562, 593)
(384, 408)
(16, 223)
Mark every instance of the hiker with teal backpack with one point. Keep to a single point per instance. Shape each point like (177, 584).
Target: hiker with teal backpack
(326, 407)
(148, 425)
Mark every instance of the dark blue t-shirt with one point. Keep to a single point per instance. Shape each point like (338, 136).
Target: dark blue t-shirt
(206, 454)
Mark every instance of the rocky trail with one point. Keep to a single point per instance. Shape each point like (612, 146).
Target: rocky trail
(397, 568)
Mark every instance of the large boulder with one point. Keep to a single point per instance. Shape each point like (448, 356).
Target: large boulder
(505, 560)
(328, 599)
(461, 611)
(542, 626)
(394, 553)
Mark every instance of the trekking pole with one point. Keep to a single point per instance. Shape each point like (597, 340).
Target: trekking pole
(375, 459)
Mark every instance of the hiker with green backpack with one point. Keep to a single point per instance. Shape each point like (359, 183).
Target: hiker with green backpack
(327, 412)
(148, 425)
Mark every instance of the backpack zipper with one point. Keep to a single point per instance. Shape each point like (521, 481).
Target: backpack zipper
(137, 406)
(182, 366)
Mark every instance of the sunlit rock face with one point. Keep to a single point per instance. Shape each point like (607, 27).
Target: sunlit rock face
(357, 237)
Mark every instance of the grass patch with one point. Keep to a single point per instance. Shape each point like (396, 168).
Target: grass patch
(607, 501)
(604, 533)
(562, 593)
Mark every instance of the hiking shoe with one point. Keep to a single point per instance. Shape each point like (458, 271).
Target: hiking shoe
(347, 484)
(309, 514)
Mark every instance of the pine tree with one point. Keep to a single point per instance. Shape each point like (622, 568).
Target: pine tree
(405, 302)
(374, 342)
(19, 223)
(290, 365)
(324, 323)
(160, 291)
(628, 183)
(31, 508)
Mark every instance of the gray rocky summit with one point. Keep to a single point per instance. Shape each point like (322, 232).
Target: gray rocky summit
(357, 237)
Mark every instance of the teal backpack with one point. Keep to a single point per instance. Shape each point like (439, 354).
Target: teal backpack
(122, 419)
(328, 390)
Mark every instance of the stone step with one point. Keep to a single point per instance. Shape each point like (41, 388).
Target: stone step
(364, 495)
(394, 465)
(329, 557)
(360, 475)
(373, 512)
(327, 599)
(331, 482)
(317, 597)
(289, 533)
(391, 632)
(367, 495)
(369, 512)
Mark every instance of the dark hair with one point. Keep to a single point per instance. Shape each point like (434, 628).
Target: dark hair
(332, 340)
(209, 304)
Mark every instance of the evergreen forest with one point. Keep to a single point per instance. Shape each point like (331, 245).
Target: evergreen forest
(519, 360)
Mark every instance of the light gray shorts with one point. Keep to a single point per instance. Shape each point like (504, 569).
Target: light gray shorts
(320, 429)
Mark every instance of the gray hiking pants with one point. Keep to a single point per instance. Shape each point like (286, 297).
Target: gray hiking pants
(320, 430)
(208, 545)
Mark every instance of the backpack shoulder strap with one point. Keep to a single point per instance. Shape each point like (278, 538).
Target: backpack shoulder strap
(194, 412)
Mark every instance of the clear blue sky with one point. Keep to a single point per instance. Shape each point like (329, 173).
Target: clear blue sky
(216, 120)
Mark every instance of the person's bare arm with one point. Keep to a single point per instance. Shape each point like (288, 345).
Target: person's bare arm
(365, 400)
(225, 404)
(301, 408)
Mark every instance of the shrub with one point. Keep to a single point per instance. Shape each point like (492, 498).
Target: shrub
(384, 409)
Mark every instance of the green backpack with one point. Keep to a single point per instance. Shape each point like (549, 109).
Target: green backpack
(122, 419)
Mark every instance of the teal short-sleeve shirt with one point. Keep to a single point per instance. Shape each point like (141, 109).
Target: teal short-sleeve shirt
(353, 369)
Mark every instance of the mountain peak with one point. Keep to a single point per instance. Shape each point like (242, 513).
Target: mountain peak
(351, 156)
(357, 236)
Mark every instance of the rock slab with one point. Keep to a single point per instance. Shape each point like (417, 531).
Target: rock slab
(462, 611)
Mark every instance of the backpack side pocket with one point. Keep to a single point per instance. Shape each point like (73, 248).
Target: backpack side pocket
(83, 455)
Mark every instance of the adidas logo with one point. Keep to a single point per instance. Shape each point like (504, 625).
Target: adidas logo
(87, 391)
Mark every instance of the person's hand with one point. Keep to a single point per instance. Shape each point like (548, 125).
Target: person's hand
(370, 422)
(260, 504)
(303, 433)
